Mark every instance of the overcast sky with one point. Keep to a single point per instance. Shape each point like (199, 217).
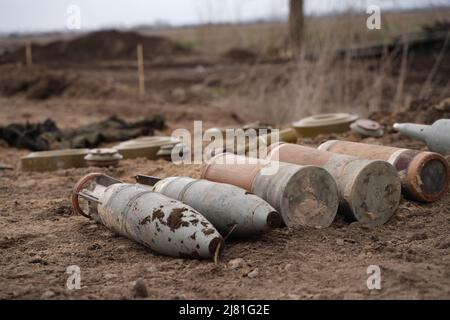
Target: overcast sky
(51, 15)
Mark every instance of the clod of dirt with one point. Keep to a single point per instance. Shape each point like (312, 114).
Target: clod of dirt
(253, 274)
(418, 236)
(443, 244)
(39, 261)
(236, 263)
(140, 289)
(48, 294)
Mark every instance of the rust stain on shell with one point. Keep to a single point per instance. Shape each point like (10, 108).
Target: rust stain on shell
(158, 214)
(145, 220)
(174, 221)
(207, 231)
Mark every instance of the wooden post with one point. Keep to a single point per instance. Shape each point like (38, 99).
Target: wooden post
(140, 61)
(28, 55)
(296, 24)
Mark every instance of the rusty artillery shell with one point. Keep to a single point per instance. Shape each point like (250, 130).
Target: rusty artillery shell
(369, 190)
(165, 225)
(231, 209)
(424, 175)
(304, 195)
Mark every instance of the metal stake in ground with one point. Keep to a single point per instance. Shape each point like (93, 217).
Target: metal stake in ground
(140, 62)
(28, 55)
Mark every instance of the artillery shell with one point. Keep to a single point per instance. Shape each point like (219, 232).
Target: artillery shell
(424, 175)
(227, 207)
(165, 225)
(304, 195)
(369, 190)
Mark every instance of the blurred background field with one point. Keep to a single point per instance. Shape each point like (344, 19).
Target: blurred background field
(227, 74)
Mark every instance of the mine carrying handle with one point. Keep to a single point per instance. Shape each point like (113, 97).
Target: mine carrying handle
(147, 180)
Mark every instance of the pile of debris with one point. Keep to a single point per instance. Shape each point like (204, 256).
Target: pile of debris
(47, 135)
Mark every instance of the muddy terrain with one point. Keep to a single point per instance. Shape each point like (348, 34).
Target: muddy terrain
(40, 236)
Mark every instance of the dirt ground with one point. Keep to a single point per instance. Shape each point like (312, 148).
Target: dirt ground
(40, 236)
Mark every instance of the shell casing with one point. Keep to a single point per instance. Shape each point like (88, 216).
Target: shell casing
(424, 175)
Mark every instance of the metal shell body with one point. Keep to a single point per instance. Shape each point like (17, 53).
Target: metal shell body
(436, 136)
(304, 195)
(424, 175)
(227, 207)
(165, 225)
(369, 190)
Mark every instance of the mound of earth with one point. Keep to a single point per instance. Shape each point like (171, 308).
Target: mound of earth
(239, 55)
(101, 45)
(418, 111)
(40, 83)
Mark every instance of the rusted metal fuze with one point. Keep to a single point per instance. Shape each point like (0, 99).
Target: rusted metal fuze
(165, 225)
(304, 195)
(369, 190)
(424, 175)
(232, 210)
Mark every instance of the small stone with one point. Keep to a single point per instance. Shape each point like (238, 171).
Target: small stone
(151, 269)
(253, 274)
(94, 246)
(48, 294)
(109, 276)
(236, 263)
(289, 267)
(140, 289)
(340, 242)
(418, 236)
(179, 94)
(443, 245)
(39, 261)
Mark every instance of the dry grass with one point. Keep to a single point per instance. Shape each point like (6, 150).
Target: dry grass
(346, 29)
(308, 86)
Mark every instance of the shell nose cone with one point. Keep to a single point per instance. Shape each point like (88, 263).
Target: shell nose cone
(274, 220)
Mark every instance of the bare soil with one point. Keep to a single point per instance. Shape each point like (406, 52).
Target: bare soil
(40, 236)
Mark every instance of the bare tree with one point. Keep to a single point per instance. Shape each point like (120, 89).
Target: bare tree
(296, 23)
